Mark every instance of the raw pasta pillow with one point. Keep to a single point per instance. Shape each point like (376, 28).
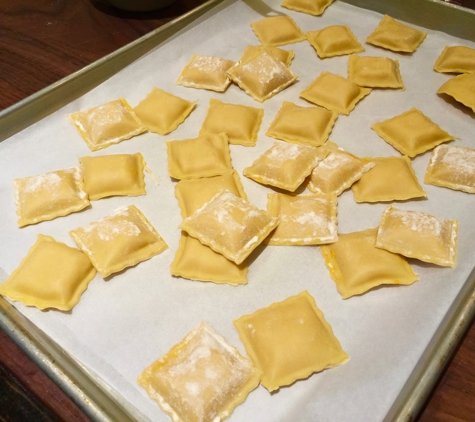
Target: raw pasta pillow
(302, 125)
(240, 122)
(205, 156)
(230, 225)
(311, 7)
(195, 261)
(456, 59)
(277, 30)
(395, 36)
(461, 88)
(49, 195)
(52, 275)
(419, 235)
(289, 341)
(411, 133)
(107, 124)
(304, 219)
(162, 112)
(356, 265)
(192, 194)
(374, 72)
(118, 241)
(206, 72)
(335, 40)
(284, 165)
(111, 175)
(452, 167)
(391, 179)
(334, 92)
(251, 51)
(202, 378)
(337, 171)
(262, 77)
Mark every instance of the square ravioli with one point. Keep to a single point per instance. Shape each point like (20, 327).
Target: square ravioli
(284, 165)
(337, 171)
(49, 195)
(334, 92)
(289, 341)
(162, 112)
(200, 379)
(334, 40)
(205, 156)
(411, 133)
(419, 235)
(393, 35)
(277, 30)
(113, 175)
(251, 51)
(311, 7)
(107, 124)
(262, 77)
(357, 266)
(304, 219)
(206, 72)
(192, 194)
(391, 179)
(52, 275)
(461, 89)
(118, 241)
(456, 59)
(241, 123)
(230, 226)
(195, 261)
(452, 167)
(374, 72)
(302, 125)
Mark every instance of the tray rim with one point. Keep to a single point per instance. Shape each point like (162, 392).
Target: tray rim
(92, 395)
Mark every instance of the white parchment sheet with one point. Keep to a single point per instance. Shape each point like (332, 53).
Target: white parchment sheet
(124, 324)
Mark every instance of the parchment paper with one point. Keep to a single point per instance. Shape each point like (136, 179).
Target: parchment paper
(124, 324)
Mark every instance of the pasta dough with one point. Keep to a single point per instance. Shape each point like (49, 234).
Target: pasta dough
(396, 36)
(411, 133)
(289, 340)
(277, 30)
(334, 92)
(107, 124)
(241, 123)
(49, 195)
(162, 112)
(374, 72)
(356, 265)
(304, 219)
(118, 241)
(262, 77)
(52, 275)
(202, 378)
(113, 175)
(230, 225)
(205, 156)
(391, 179)
(302, 125)
(332, 41)
(285, 165)
(419, 235)
(206, 72)
(452, 167)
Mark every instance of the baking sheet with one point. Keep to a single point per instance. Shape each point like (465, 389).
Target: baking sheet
(122, 325)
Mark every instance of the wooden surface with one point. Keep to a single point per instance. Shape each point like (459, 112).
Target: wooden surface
(42, 41)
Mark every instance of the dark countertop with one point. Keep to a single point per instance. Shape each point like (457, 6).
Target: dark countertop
(40, 43)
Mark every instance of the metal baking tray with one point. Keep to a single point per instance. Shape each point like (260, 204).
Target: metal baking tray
(91, 394)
